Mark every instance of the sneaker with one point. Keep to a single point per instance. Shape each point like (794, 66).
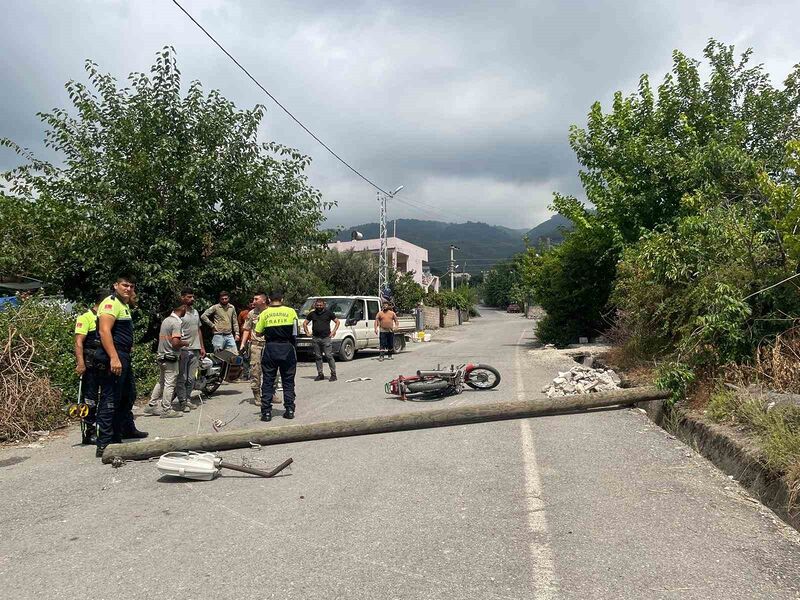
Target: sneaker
(184, 408)
(171, 414)
(152, 409)
(332, 377)
(320, 377)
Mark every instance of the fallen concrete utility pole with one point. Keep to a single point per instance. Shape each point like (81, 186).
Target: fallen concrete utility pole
(444, 417)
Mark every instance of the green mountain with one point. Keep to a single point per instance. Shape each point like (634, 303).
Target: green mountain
(553, 228)
(481, 245)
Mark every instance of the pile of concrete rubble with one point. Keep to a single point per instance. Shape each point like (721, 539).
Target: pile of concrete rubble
(582, 380)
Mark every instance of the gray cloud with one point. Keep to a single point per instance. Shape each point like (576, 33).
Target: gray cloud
(466, 104)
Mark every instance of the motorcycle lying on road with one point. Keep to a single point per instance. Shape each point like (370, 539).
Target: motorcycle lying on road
(445, 382)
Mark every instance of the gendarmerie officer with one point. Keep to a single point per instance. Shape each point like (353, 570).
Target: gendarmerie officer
(278, 324)
(87, 341)
(117, 386)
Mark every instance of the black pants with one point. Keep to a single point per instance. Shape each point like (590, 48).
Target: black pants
(117, 395)
(277, 357)
(387, 342)
(90, 390)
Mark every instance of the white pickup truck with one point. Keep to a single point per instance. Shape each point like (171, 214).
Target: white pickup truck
(356, 325)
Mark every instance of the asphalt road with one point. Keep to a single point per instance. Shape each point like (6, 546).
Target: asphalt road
(601, 505)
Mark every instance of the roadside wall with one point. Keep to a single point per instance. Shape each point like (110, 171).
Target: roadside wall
(431, 317)
(450, 318)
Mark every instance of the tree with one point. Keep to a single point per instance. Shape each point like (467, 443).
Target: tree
(406, 293)
(498, 284)
(655, 166)
(350, 273)
(173, 189)
(652, 149)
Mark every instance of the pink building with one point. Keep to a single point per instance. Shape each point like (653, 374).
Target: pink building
(404, 257)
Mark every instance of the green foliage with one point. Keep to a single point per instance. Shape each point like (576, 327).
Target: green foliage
(350, 273)
(675, 376)
(499, 283)
(572, 283)
(406, 293)
(691, 135)
(50, 329)
(174, 189)
(692, 187)
(463, 298)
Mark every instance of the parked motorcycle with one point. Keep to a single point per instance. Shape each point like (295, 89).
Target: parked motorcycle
(445, 382)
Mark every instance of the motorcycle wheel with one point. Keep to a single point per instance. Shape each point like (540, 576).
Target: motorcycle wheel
(483, 377)
(211, 387)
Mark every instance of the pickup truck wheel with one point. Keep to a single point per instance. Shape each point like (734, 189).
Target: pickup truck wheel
(348, 350)
(399, 343)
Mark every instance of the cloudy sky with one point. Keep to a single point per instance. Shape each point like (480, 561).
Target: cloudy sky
(466, 104)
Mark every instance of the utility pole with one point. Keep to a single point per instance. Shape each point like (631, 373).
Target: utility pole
(452, 267)
(383, 257)
(394, 254)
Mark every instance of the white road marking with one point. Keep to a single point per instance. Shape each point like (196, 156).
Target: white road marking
(543, 577)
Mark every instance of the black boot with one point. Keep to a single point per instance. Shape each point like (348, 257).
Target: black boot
(288, 413)
(266, 417)
(320, 377)
(332, 377)
(99, 452)
(136, 435)
(89, 435)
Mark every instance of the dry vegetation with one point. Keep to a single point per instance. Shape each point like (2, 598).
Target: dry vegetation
(27, 400)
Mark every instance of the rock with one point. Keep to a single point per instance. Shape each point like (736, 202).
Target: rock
(582, 379)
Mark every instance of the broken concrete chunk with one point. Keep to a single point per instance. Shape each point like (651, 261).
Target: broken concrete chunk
(582, 379)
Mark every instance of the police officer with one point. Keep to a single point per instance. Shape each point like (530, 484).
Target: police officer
(87, 342)
(117, 386)
(278, 324)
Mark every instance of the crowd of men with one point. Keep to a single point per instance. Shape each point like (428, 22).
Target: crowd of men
(266, 335)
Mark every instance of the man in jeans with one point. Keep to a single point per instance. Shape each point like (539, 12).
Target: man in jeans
(170, 344)
(224, 324)
(386, 321)
(192, 352)
(321, 318)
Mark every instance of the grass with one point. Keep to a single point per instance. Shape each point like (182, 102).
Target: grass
(777, 432)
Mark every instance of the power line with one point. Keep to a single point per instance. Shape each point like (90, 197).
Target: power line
(275, 100)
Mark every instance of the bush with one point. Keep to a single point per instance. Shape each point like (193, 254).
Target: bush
(406, 293)
(572, 283)
(462, 298)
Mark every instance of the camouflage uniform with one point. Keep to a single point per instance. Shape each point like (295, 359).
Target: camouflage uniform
(256, 347)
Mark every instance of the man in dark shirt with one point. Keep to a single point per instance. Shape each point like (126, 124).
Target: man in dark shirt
(321, 335)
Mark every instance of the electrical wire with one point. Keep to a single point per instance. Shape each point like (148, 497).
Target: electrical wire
(275, 100)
